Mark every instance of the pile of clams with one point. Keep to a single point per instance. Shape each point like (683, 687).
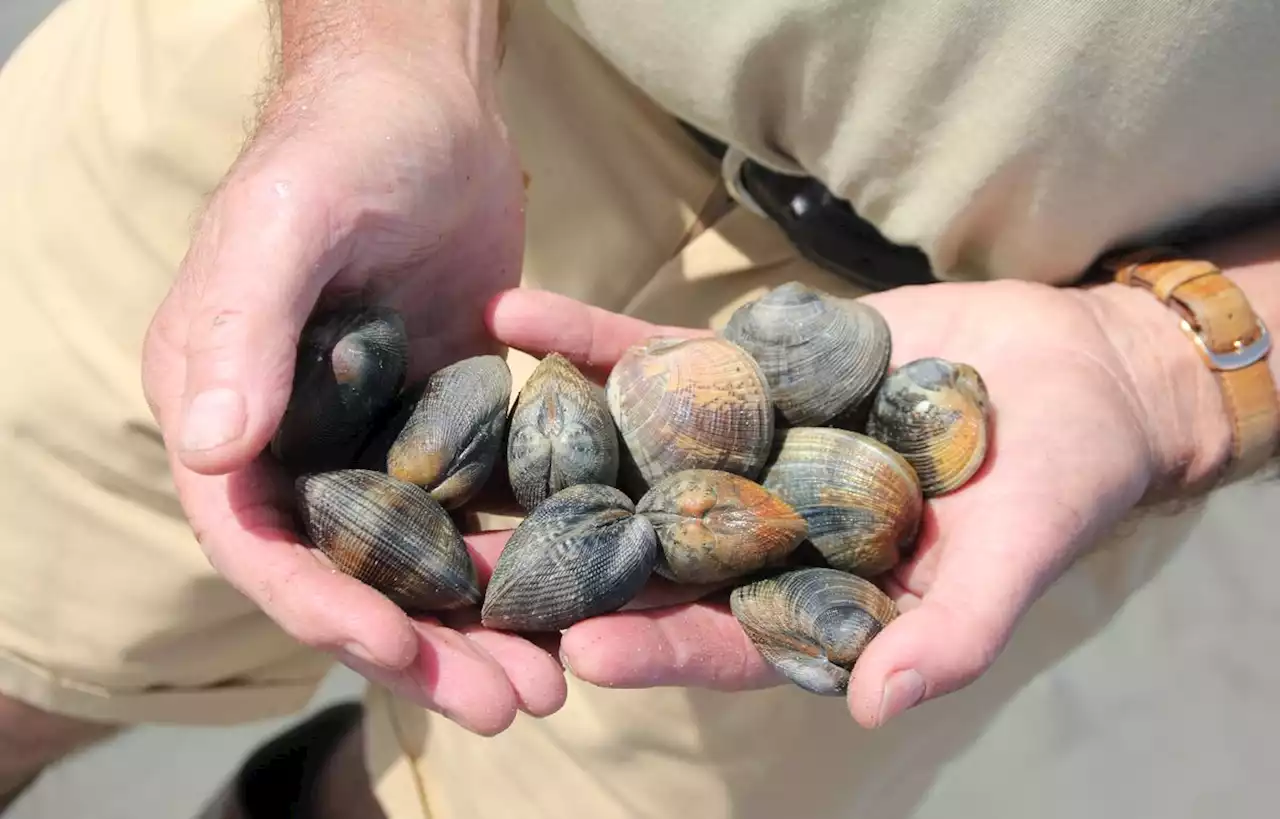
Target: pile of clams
(780, 460)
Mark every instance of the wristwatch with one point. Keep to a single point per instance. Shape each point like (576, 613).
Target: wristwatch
(1232, 340)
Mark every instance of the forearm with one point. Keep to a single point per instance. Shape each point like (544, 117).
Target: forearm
(413, 36)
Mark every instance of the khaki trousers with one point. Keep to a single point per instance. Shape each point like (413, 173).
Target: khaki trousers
(1135, 686)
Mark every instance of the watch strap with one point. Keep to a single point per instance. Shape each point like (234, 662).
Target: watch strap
(1232, 340)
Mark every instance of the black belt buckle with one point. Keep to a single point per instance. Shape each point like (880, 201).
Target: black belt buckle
(823, 228)
(826, 231)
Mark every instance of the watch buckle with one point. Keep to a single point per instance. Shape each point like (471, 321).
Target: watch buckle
(1240, 356)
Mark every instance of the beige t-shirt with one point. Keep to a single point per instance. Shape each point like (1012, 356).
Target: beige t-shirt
(1008, 139)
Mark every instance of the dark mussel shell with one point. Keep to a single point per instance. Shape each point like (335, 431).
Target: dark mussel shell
(583, 552)
(351, 363)
(390, 535)
(454, 434)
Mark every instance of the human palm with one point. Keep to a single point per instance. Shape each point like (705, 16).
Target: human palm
(377, 186)
(1072, 452)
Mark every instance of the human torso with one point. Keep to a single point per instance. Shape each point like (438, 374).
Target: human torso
(1006, 139)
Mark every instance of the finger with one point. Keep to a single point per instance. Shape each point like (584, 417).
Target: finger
(659, 592)
(452, 677)
(250, 541)
(539, 322)
(535, 675)
(485, 547)
(699, 645)
(248, 285)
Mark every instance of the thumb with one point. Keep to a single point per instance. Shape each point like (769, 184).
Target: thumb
(251, 279)
(985, 578)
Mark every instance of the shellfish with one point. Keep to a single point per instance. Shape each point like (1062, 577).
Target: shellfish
(861, 500)
(935, 413)
(581, 553)
(454, 434)
(560, 434)
(823, 358)
(391, 535)
(695, 403)
(715, 526)
(811, 625)
(351, 363)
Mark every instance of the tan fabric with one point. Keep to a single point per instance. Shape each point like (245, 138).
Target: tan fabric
(119, 118)
(121, 115)
(990, 134)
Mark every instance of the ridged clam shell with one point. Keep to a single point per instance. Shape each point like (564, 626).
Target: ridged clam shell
(698, 403)
(582, 553)
(935, 413)
(560, 434)
(823, 358)
(390, 535)
(350, 365)
(811, 625)
(455, 433)
(715, 526)
(861, 500)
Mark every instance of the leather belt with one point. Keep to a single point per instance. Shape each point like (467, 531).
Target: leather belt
(823, 227)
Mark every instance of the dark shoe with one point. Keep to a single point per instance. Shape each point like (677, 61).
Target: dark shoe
(279, 779)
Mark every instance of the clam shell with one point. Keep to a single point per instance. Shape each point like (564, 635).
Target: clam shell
(390, 535)
(583, 552)
(811, 625)
(823, 358)
(560, 434)
(698, 403)
(715, 526)
(351, 364)
(936, 414)
(861, 500)
(455, 433)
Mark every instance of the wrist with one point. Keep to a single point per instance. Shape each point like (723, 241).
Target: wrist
(424, 41)
(1177, 398)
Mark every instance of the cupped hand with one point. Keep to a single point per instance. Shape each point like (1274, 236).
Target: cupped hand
(364, 180)
(1085, 427)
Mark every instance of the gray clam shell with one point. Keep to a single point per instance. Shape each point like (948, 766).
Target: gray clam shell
(935, 413)
(560, 434)
(689, 403)
(823, 358)
(862, 501)
(811, 625)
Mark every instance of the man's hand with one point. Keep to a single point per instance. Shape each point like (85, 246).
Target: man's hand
(1085, 426)
(379, 167)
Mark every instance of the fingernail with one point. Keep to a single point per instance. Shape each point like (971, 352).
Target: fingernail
(214, 418)
(564, 661)
(904, 690)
